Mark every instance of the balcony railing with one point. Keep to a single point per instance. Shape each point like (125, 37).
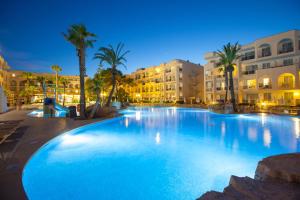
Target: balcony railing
(249, 86)
(249, 72)
(286, 86)
(287, 50)
(262, 86)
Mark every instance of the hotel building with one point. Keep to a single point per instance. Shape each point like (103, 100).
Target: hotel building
(13, 81)
(174, 81)
(267, 72)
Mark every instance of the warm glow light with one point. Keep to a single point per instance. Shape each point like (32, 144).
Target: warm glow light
(263, 118)
(76, 91)
(296, 93)
(266, 81)
(13, 75)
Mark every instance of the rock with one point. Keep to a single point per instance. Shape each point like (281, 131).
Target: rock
(285, 167)
(213, 195)
(276, 178)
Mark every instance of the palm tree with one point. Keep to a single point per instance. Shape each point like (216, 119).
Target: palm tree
(113, 57)
(78, 35)
(28, 77)
(95, 86)
(41, 80)
(56, 69)
(228, 56)
(64, 82)
(222, 68)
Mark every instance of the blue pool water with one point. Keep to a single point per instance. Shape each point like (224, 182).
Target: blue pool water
(157, 153)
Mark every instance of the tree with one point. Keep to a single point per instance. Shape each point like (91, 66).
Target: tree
(95, 86)
(113, 57)
(64, 82)
(56, 69)
(228, 56)
(78, 35)
(28, 90)
(222, 68)
(41, 80)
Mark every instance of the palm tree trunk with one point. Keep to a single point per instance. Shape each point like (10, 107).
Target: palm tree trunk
(56, 86)
(95, 108)
(226, 86)
(232, 91)
(81, 75)
(64, 95)
(112, 90)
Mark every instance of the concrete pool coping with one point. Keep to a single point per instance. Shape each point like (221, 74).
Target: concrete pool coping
(39, 131)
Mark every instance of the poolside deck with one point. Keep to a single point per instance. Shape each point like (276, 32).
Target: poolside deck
(31, 134)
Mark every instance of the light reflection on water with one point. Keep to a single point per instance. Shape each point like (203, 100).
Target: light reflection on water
(157, 153)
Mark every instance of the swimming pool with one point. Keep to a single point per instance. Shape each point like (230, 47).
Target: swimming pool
(157, 153)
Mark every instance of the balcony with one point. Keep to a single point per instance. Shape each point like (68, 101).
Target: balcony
(285, 50)
(286, 86)
(262, 86)
(249, 86)
(249, 72)
(208, 89)
(220, 76)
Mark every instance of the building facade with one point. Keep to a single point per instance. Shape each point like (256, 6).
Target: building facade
(267, 72)
(14, 82)
(174, 81)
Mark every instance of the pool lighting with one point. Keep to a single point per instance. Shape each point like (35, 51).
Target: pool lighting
(267, 137)
(138, 115)
(157, 138)
(126, 122)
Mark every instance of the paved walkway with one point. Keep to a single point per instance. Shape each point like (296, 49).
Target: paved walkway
(33, 133)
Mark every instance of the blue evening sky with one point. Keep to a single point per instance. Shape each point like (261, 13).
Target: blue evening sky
(154, 31)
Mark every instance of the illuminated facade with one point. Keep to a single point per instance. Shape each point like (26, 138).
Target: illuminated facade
(176, 80)
(13, 81)
(266, 74)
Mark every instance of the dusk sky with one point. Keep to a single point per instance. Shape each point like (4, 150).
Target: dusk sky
(154, 31)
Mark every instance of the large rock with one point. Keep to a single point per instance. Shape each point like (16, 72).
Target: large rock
(284, 167)
(276, 178)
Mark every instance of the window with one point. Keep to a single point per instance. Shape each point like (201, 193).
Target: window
(266, 65)
(266, 81)
(250, 69)
(288, 62)
(267, 96)
(248, 55)
(251, 83)
(285, 46)
(266, 51)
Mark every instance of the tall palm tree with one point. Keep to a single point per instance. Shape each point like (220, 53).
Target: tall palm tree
(78, 35)
(113, 57)
(64, 82)
(95, 86)
(56, 69)
(41, 80)
(28, 77)
(228, 56)
(222, 68)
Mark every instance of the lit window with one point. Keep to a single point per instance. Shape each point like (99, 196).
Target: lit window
(266, 81)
